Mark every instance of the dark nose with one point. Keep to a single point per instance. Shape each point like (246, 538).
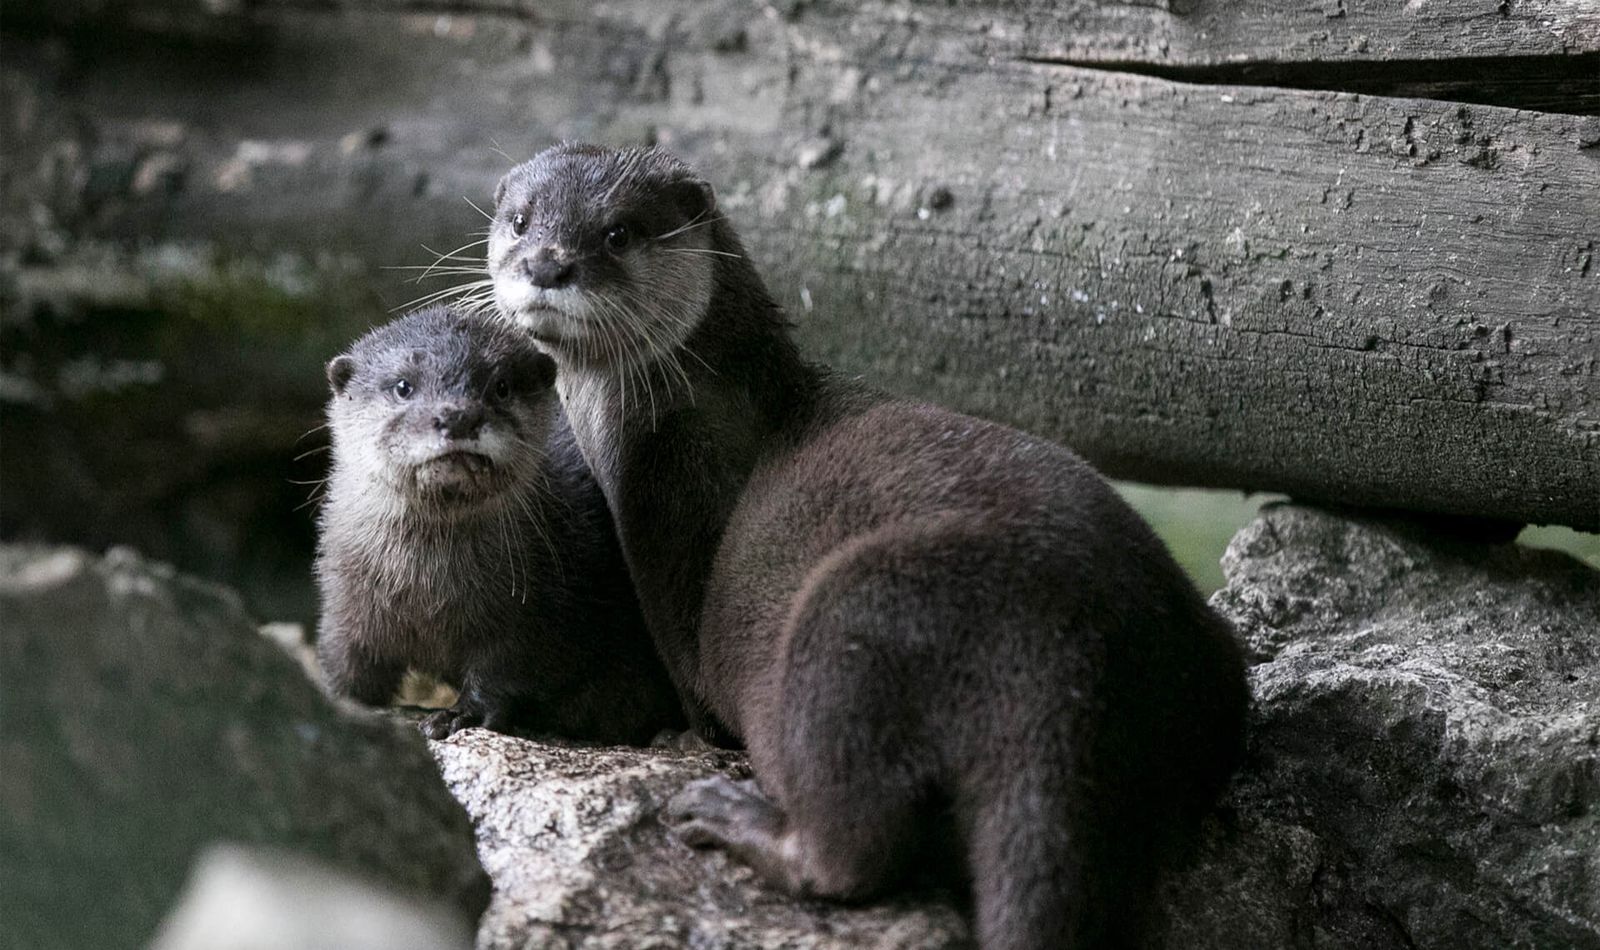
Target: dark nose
(547, 271)
(459, 423)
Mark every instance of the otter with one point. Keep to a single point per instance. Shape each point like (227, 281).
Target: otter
(911, 618)
(462, 536)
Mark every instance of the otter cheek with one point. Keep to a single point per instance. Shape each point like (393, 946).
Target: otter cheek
(492, 441)
(512, 293)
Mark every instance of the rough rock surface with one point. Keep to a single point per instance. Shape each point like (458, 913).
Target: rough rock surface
(1423, 774)
(570, 836)
(1426, 743)
(145, 718)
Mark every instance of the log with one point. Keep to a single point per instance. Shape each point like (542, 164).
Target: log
(1365, 300)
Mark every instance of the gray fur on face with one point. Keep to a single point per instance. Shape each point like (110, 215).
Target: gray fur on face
(435, 414)
(629, 228)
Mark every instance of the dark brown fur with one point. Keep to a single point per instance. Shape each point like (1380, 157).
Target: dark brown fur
(503, 580)
(905, 613)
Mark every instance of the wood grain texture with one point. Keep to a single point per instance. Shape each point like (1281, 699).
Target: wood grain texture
(1374, 301)
(1213, 32)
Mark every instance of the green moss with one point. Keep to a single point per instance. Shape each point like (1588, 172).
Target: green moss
(1579, 544)
(1195, 523)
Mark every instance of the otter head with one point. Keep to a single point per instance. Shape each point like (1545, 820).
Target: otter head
(441, 411)
(604, 255)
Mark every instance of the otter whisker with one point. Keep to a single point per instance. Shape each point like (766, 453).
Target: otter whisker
(442, 294)
(428, 269)
(505, 544)
(454, 253)
(318, 491)
(612, 337)
(701, 250)
(537, 526)
(476, 208)
(615, 317)
(698, 221)
(665, 357)
(444, 272)
(638, 301)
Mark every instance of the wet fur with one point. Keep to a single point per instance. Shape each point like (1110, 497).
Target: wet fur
(910, 617)
(517, 598)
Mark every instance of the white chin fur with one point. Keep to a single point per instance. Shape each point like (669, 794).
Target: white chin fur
(534, 308)
(490, 443)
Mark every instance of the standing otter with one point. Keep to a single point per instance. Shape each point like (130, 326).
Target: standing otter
(908, 615)
(463, 537)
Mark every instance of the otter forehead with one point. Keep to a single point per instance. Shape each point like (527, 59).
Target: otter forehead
(439, 346)
(571, 193)
(568, 175)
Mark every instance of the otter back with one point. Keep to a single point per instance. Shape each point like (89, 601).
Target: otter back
(912, 617)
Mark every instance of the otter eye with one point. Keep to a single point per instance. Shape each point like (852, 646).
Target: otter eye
(502, 389)
(401, 389)
(519, 224)
(618, 237)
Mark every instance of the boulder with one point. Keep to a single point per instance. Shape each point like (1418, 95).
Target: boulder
(257, 899)
(1422, 774)
(1424, 762)
(571, 837)
(145, 719)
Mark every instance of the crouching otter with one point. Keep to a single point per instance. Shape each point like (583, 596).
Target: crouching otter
(909, 616)
(462, 536)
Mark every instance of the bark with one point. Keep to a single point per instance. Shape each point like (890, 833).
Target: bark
(1366, 300)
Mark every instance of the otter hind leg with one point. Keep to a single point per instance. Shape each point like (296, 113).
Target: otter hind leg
(836, 745)
(840, 859)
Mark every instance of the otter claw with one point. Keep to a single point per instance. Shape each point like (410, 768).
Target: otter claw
(712, 812)
(447, 722)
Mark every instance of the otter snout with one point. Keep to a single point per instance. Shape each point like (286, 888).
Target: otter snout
(548, 269)
(459, 422)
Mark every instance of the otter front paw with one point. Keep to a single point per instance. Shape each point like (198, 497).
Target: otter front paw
(719, 812)
(474, 707)
(447, 722)
(684, 740)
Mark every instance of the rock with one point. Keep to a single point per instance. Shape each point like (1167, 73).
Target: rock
(254, 899)
(1422, 774)
(571, 838)
(1425, 752)
(145, 718)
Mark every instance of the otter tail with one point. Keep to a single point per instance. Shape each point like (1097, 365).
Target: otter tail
(1068, 832)
(1048, 870)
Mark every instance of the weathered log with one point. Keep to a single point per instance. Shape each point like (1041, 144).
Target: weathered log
(1534, 54)
(1375, 301)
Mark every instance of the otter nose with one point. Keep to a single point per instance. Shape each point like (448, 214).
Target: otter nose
(459, 423)
(547, 271)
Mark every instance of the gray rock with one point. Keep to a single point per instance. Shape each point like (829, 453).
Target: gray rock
(257, 899)
(1425, 752)
(578, 858)
(144, 718)
(1422, 775)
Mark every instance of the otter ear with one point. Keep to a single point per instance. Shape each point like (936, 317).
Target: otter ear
(694, 198)
(339, 372)
(500, 188)
(541, 370)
